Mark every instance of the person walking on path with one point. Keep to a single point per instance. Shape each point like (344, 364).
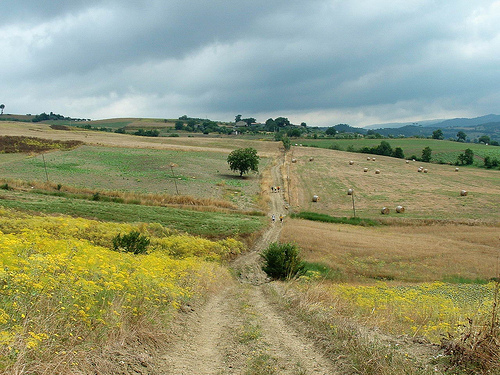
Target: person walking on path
(281, 218)
(273, 218)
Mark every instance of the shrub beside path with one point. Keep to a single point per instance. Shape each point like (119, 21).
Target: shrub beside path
(238, 331)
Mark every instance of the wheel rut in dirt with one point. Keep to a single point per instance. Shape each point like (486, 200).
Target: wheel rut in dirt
(238, 331)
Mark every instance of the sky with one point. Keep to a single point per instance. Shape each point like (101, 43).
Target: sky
(322, 62)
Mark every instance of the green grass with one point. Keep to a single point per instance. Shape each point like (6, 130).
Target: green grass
(458, 279)
(442, 151)
(209, 224)
(201, 174)
(321, 270)
(331, 219)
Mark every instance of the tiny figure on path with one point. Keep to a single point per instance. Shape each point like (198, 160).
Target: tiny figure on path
(273, 218)
(281, 218)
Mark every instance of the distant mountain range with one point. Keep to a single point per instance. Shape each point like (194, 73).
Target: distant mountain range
(440, 123)
(474, 128)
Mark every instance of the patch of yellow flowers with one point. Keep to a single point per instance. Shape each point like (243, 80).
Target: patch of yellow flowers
(62, 285)
(430, 309)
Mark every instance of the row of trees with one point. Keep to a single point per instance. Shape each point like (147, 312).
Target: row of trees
(462, 137)
(384, 148)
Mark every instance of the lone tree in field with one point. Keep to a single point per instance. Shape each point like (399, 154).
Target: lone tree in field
(243, 160)
(2, 106)
(426, 154)
(437, 134)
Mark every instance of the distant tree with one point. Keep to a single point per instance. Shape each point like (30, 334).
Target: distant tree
(437, 134)
(303, 124)
(237, 118)
(243, 160)
(426, 154)
(491, 163)
(383, 149)
(484, 139)
(373, 134)
(494, 143)
(466, 158)
(249, 120)
(270, 125)
(286, 143)
(278, 136)
(179, 125)
(147, 133)
(282, 122)
(2, 106)
(294, 132)
(461, 136)
(331, 131)
(398, 153)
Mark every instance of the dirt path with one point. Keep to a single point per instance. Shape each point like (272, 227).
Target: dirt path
(239, 331)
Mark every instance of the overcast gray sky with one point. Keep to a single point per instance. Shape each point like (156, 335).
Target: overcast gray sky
(323, 62)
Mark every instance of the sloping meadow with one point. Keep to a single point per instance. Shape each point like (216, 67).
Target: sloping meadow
(66, 295)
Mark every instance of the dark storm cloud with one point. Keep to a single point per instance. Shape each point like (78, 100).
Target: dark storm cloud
(317, 61)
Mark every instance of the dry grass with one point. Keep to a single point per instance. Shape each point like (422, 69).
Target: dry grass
(199, 143)
(477, 347)
(434, 195)
(184, 201)
(406, 253)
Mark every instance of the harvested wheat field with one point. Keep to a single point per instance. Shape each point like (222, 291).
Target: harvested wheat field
(433, 195)
(222, 144)
(402, 253)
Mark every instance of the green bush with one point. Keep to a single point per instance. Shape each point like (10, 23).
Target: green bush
(282, 261)
(134, 242)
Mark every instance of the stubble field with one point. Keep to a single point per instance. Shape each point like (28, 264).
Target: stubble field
(434, 195)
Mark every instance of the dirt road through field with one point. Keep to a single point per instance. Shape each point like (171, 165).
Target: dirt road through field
(239, 331)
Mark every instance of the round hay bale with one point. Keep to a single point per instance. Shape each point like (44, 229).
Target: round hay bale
(311, 159)
(365, 170)
(425, 170)
(294, 160)
(463, 193)
(400, 209)
(407, 162)
(350, 192)
(385, 211)
(377, 171)
(351, 162)
(456, 169)
(315, 198)
(368, 158)
(373, 159)
(420, 169)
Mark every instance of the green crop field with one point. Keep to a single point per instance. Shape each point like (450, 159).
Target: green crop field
(442, 151)
(196, 173)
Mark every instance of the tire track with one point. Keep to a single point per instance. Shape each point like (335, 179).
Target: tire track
(238, 331)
